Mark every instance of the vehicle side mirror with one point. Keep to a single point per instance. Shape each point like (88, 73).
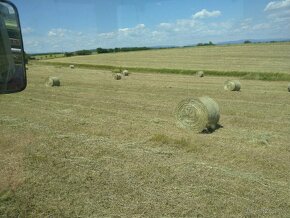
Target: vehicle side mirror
(12, 59)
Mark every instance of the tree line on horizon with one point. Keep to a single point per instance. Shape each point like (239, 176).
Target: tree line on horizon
(100, 50)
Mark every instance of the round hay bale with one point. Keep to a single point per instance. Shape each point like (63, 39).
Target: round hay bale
(72, 66)
(118, 76)
(52, 81)
(232, 85)
(200, 73)
(198, 114)
(289, 87)
(125, 72)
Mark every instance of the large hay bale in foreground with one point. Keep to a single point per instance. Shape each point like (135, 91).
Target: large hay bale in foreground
(200, 73)
(289, 87)
(118, 76)
(125, 72)
(52, 81)
(232, 85)
(198, 114)
(72, 66)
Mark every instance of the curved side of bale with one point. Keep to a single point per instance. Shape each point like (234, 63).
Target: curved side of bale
(52, 81)
(289, 87)
(200, 73)
(213, 112)
(125, 72)
(118, 76)
(197, 114)
(232, 85)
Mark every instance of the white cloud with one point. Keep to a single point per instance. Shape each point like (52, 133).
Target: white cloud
(140, 26)
(278, 14)
(108, 35)
(205, 14)
(277, 5)
(58, 32)
(261, 26)
(165, 25)
(139, 29)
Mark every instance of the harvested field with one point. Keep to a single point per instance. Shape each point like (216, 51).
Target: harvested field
(98, 147)
(269, 57)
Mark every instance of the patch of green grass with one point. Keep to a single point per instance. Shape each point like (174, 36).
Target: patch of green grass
(266, 76)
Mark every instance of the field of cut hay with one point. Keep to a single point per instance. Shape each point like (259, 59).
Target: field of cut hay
(269, 57)
(96, 146)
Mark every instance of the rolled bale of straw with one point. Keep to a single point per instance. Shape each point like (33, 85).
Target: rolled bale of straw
(289, 87)
(52, 81)
(200, 73)
(125, 72)
(198, 114)
(232, 85)
(72, 66)
(118, 76)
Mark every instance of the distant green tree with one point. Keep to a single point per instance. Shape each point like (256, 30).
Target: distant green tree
(205, 44)
(83, 52)
(68, 54)
(247, 42)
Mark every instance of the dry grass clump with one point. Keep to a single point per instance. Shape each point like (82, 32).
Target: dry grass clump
(200, 73)
(289, 87)
(125, 72)
(232, 85)
(52, 81)
(198, 114)
(72, 66)
(118, 76)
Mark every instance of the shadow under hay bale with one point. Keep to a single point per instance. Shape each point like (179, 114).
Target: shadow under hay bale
(232, 85)
(125, 72)
(118, 76)
(198, 114)
(52, 81)
(200, 73)
(72, 66)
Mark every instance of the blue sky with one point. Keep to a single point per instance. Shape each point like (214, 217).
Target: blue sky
(69, 25)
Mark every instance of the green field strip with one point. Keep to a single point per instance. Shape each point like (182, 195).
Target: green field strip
(266, 76)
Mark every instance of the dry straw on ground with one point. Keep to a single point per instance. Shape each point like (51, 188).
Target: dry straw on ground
(200, 73)
(198, 114)
(232, 85)
(118, 76)
(125, 72)
(52, 81)
(72, 66)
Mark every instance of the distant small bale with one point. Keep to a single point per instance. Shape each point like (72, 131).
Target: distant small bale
(125, 72)
(52, 81)
(118, 76)
(200, 73)
(72, 66)
(289, 87)
(232, 85)
(198, 114)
